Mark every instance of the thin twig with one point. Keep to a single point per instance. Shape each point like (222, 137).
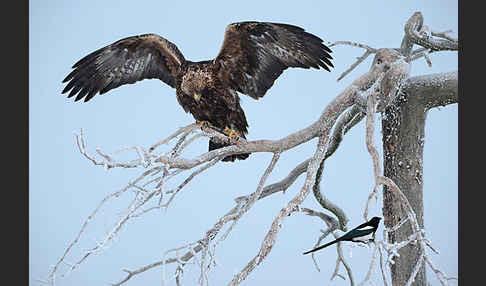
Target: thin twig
(355, 64)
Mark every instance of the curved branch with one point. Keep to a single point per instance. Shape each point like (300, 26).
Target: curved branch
(286, 182)
(414, 23)
(349, 119)
(417, 33)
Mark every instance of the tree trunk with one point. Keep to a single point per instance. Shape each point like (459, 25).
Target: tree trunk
(403, 126)
(403, 133)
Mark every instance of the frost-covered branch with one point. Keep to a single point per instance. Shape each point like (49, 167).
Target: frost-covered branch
(368, 52)
(347, 120)
(286, 182)
(418, 33)
(332, 225)
(433, 90)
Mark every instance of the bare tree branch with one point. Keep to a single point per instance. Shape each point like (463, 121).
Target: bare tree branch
(434, 90)
(418, 33)
(353, 44)
(369, 51)
(332, 226)
(355, 64)
(286, 182)
(349, 119)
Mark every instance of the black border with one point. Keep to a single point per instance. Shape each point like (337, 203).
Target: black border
(15, 135)
(470, 144)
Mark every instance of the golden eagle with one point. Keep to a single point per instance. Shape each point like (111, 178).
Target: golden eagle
(252, 57)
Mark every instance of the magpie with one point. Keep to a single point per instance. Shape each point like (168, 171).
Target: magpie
(362, 233)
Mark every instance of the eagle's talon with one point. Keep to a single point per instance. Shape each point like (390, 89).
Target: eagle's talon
(233, 135)
(203, 124)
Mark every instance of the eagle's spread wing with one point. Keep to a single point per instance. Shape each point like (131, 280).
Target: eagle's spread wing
(126, 61)
(254, 55)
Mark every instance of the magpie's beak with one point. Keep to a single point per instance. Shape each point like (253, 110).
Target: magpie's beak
(197, 97)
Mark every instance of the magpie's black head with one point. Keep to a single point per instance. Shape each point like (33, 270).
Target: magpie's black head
(375, 220)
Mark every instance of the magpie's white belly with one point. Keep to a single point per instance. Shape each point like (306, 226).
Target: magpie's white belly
(365, 238)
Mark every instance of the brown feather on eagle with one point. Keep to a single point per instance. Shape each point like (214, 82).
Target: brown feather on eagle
(252, 57)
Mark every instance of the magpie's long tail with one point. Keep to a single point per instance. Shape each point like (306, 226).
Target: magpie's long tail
(216, 144)
(322, 246)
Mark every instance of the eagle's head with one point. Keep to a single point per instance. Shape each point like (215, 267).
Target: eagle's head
(195, 83)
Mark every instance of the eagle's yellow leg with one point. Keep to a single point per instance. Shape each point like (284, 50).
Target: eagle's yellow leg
(231, 133)
(203, 123)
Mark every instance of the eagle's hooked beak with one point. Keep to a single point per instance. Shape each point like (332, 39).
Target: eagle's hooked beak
(197, 97)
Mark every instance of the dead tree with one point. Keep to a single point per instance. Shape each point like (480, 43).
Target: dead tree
(385, 88)
(403, 141)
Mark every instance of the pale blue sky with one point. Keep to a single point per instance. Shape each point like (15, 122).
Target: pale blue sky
(65, 187)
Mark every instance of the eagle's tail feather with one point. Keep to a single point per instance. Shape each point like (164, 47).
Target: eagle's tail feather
(216, 144)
